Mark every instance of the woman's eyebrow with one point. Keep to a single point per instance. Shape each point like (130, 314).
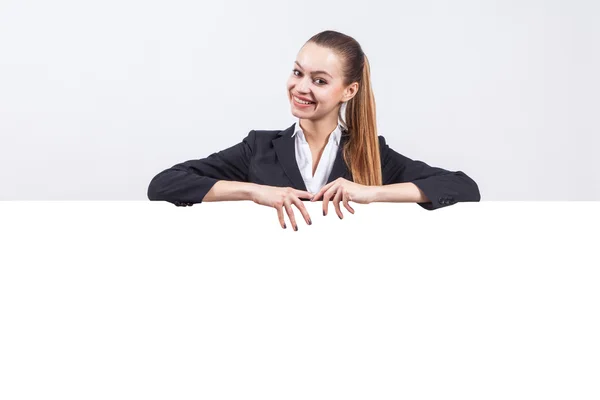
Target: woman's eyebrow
(315, 72)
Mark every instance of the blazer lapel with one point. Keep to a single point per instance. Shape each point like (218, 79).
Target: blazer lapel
(284, 145)
(285, 148)
(340, 169)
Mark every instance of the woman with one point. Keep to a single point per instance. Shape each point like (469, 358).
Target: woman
(322, 155)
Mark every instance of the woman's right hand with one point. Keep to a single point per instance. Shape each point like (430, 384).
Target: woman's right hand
(282, 198)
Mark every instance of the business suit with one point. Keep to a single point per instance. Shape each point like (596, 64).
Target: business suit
(267, 157)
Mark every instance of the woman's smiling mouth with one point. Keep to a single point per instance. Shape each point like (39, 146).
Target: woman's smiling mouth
(301, 103)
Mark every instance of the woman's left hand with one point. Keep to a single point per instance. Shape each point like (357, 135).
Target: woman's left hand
(344, 190)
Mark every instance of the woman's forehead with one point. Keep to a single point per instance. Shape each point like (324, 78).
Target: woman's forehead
(313, 57)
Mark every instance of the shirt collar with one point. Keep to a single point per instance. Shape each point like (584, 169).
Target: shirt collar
(335, 135)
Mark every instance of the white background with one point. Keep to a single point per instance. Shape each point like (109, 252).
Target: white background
(144, 300)
(98, 97)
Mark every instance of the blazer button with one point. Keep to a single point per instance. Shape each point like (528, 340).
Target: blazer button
(441, 200)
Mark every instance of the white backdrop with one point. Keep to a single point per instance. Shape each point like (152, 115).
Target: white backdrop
(96, 98)
(144, 300)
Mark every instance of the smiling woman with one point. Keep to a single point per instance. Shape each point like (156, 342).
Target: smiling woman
(331, 152)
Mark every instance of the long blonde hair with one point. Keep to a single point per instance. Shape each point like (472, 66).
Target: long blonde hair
(361, 151)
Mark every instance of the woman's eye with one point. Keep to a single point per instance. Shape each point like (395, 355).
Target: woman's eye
(295, 70)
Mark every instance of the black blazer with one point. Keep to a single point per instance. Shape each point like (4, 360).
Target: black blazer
(267, 157)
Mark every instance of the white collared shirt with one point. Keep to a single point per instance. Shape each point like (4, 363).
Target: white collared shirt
(304, 158)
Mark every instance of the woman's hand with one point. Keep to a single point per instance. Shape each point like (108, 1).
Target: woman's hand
(344, 190)
(280, 198)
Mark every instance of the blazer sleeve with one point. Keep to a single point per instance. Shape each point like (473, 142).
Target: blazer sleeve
(188, 182)
(442, 187)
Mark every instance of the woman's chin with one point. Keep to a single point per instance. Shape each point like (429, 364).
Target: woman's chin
(301, 110)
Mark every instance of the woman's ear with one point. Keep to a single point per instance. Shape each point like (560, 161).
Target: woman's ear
(350, 92)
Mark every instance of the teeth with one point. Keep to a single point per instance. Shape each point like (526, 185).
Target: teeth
(302, 101)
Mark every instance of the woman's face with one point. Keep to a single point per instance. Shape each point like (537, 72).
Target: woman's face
(317, 77)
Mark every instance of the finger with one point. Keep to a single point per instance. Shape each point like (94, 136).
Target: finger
(317, 195)
(302, 209)
(336, 202)
(290, 213)
(280, 215)
(346, 200)
(328, 195)
(303, 194)
(323, 190)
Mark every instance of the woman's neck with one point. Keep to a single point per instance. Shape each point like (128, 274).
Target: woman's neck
(317, 132)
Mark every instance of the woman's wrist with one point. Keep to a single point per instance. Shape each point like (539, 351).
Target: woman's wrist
(231, 190)
(406, 192)
(252, 190)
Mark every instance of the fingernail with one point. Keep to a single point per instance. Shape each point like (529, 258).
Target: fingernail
(324, 213)
(296, 228)
(340, 217)
(309, 222)
(284, 226)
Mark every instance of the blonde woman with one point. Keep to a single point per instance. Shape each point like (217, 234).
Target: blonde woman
(324, 155)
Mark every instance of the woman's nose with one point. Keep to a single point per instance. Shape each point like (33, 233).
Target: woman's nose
(303, 85)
